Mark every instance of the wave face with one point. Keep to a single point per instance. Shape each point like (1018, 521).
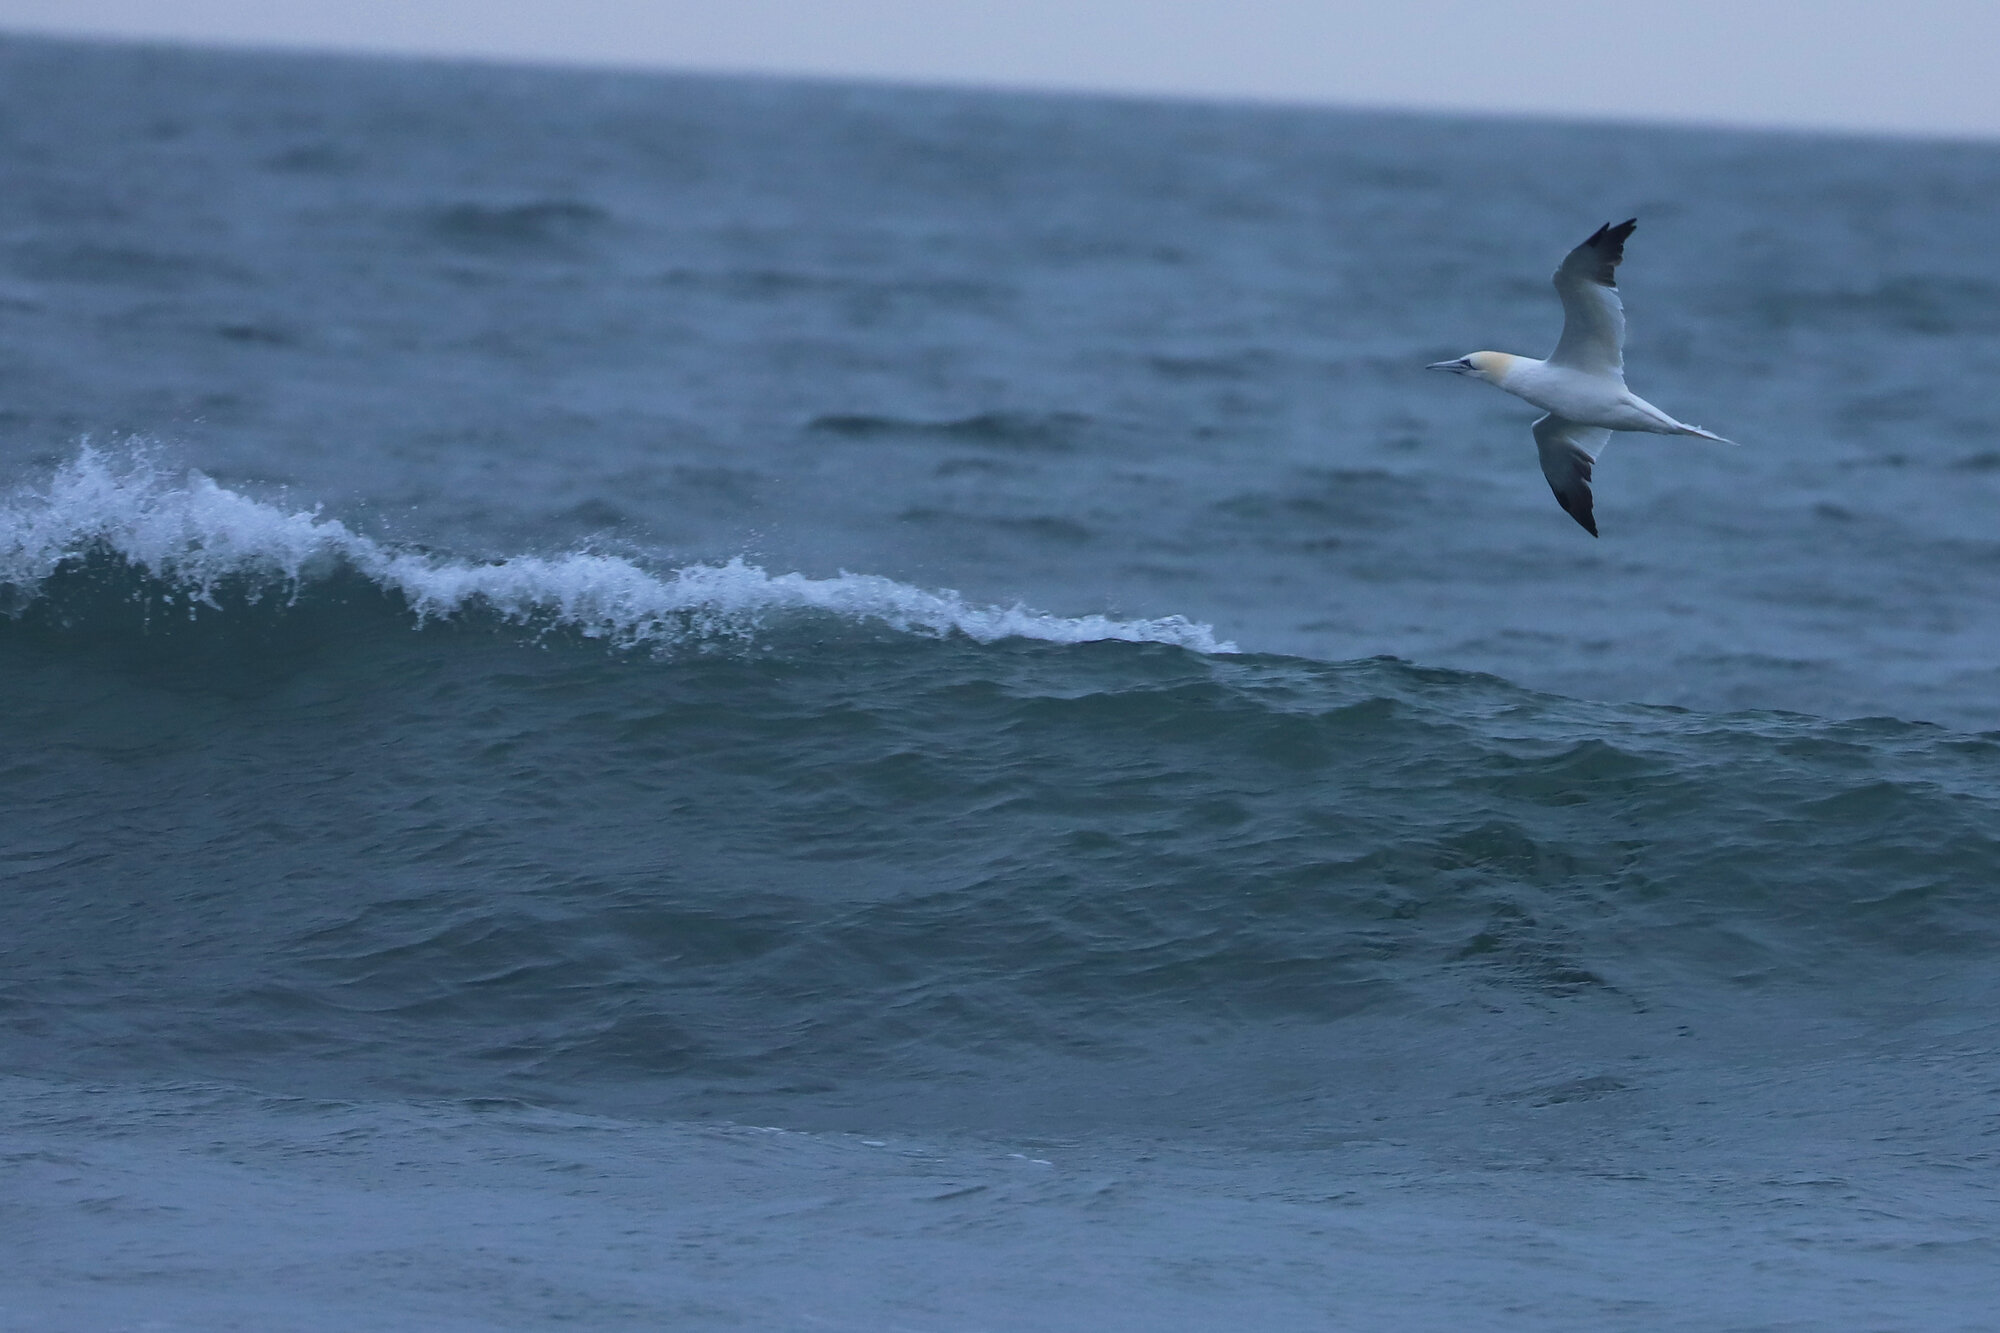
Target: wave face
(285, 796)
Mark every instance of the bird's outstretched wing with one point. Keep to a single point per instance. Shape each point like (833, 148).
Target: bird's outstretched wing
(1568, 451)
(1593, 337)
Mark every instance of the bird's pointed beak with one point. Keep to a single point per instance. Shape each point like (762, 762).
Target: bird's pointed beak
(1459, 366)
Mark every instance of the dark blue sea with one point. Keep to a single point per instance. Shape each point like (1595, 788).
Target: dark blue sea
(637, 702)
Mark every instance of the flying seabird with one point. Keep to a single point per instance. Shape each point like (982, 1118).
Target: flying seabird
(1582, 384)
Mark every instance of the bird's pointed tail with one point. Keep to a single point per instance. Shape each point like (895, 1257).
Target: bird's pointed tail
(1699, 433)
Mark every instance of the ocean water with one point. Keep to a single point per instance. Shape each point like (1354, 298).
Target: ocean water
(645, 702)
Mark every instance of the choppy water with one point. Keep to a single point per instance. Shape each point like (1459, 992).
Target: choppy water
(658, 702)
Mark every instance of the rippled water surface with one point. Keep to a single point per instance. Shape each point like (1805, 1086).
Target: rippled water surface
(654, 702)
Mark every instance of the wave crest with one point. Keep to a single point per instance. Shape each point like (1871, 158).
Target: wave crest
(199, 537)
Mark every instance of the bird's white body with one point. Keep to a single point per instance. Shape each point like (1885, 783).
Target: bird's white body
(1588, 398)
(1581, 385)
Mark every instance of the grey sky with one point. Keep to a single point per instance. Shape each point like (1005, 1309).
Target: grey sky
(1925, 66)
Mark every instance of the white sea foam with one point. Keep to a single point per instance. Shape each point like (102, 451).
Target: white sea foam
(196, 535)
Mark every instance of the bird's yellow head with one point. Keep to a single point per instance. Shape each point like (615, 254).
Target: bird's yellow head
(1489, 366)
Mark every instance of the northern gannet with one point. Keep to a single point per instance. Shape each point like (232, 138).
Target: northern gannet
(1582, 384)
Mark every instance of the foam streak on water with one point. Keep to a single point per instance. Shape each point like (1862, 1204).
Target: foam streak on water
(199, 536)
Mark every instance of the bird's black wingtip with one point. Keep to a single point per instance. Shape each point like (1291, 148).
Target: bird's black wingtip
(1606, 250)
(1613, 237)
(1580, 509)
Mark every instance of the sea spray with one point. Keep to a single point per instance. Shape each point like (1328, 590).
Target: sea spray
(197, 538)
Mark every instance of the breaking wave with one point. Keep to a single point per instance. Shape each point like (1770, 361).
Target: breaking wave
(199, 541)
